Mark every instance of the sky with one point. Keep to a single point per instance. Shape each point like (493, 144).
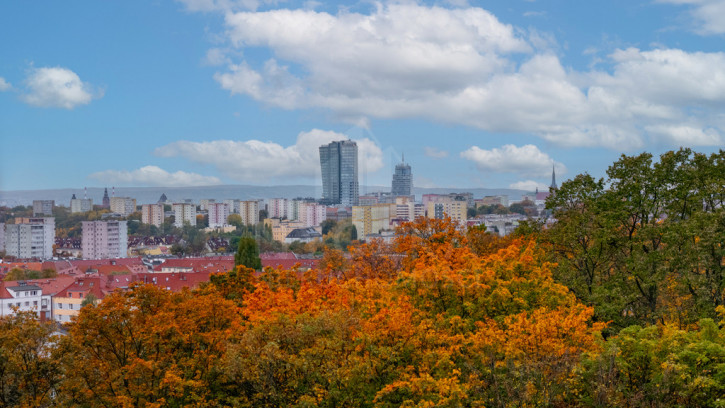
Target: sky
(485, 94)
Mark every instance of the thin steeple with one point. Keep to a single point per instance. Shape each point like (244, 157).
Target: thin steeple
(553, 178)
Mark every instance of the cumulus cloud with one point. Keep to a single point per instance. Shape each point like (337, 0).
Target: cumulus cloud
(56, 87)
(464, 66)
(254, 160)
(435, 153)
(529, 185)
(707, 15)
(4, 85)
(524, 160)
(154, 176)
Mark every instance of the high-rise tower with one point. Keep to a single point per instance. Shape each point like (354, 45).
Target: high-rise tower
(402, 180)
(338, 162)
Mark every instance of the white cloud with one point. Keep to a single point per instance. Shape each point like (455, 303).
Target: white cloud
(684, 135)
(529, 185)
(707, 15)
(463, 66)
(254, 160)
(57, 87)
(525, 160)
(154, 176)
(435, 153)
(4, 85)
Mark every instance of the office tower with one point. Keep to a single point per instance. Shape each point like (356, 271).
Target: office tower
(338, 162)
(402, 180)
(218, 214)
(43, 207)
(30, 238)
(152, 214)
(184, 212)
(123, 205)
(104, 239)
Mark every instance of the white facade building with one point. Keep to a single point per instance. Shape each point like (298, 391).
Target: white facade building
(30, 238)
(233, 206)
(218, 214)
(152, 214)
(104, 239)
(43, 207)
(277, 208)
(184, 212)
(204, 203)
(79, 205)
(123, 205)
(24, 296)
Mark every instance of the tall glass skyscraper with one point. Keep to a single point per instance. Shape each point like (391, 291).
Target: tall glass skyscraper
(338, 161)
(402, 180)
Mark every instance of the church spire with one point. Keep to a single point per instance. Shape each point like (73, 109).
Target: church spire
(553, 178)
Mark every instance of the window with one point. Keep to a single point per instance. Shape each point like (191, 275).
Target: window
(60, 305)
(35, 292)
(27, 303)
(70, 306)
(35, 303)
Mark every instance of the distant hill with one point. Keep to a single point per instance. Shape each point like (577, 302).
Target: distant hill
(146, 195)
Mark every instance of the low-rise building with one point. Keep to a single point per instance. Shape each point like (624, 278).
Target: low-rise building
(307, 234)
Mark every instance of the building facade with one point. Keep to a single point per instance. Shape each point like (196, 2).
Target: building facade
(277, 208)
(30, 237)
(184, 212)
(43, 207)
(402, 180)
(80, 205)
(233, 206)
(152, 214)
(249, 211)
(204, 203)
(218, 214)
(104, 239)
(123, 205)
(456, 209)
(371, 219)
(338, 163)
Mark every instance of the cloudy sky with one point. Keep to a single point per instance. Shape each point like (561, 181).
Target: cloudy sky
(473, 93)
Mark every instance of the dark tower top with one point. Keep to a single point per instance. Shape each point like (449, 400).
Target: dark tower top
(163, 198)
(106, 200)
(553, 179)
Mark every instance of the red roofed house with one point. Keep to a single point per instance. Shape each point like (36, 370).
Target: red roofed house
(35, 295)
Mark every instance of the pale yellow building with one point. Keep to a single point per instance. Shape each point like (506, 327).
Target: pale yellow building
(447, 206)
(123, 205)
(371, 219)
(152, 214)
(283, 228)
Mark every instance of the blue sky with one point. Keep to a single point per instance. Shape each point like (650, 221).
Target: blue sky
(475, 94)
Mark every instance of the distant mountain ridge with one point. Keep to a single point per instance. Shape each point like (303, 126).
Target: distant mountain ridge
(147, 195)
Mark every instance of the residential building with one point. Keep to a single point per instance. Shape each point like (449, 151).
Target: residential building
(24, 296)
(402, 180)
(2, 236)
(184, 212)
(152, 214)
(456, 209)
(277, 208)
(104, 239)
(80, 205)
(218, 214)
(368, 200)
(409, 211)
(233, 206)
(312, 214)
(30, 237)
(280, 230)
(68, 302)
(204, 203)
(249, 211)
(338, 162)
(43, 207)
(493, 200)
(371, 219)
(307, 234)
(123, 205)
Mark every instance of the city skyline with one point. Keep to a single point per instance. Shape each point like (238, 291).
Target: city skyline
(191, 92)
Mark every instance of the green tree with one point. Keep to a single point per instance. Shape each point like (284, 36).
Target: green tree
(248, 253)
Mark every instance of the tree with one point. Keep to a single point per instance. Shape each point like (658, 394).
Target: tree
(235, 220)
(248, 253)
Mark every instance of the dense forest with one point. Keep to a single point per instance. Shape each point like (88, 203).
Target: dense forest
(617, 303)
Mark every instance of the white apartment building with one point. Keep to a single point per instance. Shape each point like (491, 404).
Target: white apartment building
(371, 219)
(204, 203)
(409, 211)
(104, 239)
(30, 238)
(233, 206)
(277, 208)
(79, 205)
(123, 205)
(184, 212)
(218, 214)
(25, 297)
(249, 211)
(43, 207)
(152, 214)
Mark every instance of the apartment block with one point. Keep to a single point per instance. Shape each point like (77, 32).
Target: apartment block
(152, 214)
(30, 237)
(311, 214)
(456, 209)
(218, 214)
(123, 205)
(249, 211)
(371, 219)
(233, 206)
(204, 203)
(104, 239)
(277, 208)
(184, 212)
(80, 205)
(43, 207)
(2, 236)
